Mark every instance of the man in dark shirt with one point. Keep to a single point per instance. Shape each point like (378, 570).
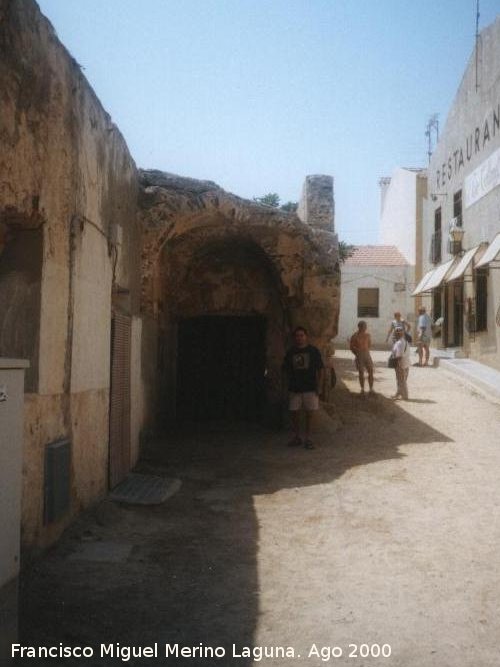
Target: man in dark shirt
(303, 366)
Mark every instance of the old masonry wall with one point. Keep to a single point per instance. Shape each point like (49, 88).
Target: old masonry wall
(69, 255)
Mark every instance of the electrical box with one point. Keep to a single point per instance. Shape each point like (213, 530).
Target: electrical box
(11, 449)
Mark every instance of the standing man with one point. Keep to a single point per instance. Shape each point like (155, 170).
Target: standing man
(424, 333)
(303, 366)
(401, 351)
(360, 345)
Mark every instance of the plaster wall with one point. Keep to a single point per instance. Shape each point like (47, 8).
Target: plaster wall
(399, 211)
(471, 134)
(384, 278)
(92, 280)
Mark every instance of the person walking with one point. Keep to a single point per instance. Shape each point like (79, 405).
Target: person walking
(401, 352)
(398, 322)
(424, 333)
(304, 369)
(360, 345)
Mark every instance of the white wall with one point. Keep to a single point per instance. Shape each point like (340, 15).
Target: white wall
(398, 213)
(384, 278)
(474, 109)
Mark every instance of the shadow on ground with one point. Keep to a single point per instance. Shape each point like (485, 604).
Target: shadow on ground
(190, 572)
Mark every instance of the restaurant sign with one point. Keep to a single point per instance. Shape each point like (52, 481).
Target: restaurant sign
(483, 179)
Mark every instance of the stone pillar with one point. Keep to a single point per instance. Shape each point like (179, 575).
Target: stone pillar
(317, 206)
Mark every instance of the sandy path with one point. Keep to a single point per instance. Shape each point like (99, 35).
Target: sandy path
(402, 548)
(388, 533)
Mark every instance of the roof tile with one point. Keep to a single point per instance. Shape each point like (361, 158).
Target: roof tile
(376, 255)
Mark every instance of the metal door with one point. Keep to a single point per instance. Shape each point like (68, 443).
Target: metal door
(119, 411)
(458, 313)
(454, 310)
(221, 367)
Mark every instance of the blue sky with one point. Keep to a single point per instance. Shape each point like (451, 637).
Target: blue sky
(255, 94)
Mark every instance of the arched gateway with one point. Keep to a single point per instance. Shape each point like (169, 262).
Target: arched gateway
(224, 280)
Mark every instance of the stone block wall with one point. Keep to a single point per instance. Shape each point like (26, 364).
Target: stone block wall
(317, 207)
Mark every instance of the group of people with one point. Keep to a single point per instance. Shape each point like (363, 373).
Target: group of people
(400, 337)
(304, 367)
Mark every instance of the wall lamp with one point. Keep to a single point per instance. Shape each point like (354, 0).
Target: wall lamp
(435, 195)
(456, 233)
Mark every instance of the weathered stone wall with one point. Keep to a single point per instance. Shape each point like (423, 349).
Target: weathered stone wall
(295, 281)
(65, 174)
(317, 204)
(67, 179)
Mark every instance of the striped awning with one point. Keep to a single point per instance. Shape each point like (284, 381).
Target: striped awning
(462, 265)
(420, 288)
(440, 274)
(490, 253)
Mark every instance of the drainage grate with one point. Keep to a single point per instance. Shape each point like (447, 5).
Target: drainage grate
(138, 489)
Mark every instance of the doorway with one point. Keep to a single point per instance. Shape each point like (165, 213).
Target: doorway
(119, 409)
(221, 366)
(454, 313)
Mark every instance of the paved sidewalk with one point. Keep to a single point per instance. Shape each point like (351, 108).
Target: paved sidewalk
(481, 377)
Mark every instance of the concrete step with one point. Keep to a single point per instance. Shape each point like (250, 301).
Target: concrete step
(447, 353)
(481, 377)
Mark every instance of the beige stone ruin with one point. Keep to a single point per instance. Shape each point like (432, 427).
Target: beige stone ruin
(89, 242)
(208, 252)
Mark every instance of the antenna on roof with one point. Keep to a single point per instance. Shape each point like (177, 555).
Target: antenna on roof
(432, 124)
(477, 42)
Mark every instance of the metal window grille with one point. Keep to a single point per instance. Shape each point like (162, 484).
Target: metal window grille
(437, 220)
(457, 207)
(435, 254)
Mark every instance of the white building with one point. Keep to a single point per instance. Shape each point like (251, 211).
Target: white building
(401, 210)
(461, 230)
(377, 281)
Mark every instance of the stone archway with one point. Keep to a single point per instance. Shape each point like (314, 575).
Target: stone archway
(223, 295)
(208, 253)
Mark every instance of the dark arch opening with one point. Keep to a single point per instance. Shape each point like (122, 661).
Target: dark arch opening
(224, 330)
(221, 367)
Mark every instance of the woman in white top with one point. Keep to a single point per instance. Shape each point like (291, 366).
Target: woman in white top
(401, 351)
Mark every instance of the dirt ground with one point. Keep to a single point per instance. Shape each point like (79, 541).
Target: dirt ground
(386, 535)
